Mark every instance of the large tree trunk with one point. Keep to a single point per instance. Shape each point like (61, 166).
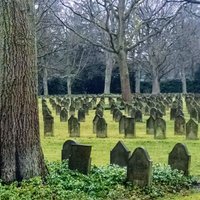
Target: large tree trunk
(183, 80)
(21, 155)
(124, 76)
(108, 72)
(155, 85)
(45, 81)
(137, 80)
(69, 85)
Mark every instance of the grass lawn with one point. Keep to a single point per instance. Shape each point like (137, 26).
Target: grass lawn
(158, 149)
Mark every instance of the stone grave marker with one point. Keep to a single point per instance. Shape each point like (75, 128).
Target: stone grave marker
(119, 155)
(81, 115)
(48, 124)
(179, 158)
(122, 124)
(101, 128)
(150, 126)
(63, 115)
(160, 129)
(80, 158)
(96, 118)
(138, 116)
(72, 110)
(73, 127)
(139, 169)
(179, 125)
(191, 130)
(129, 127)
(66, 149)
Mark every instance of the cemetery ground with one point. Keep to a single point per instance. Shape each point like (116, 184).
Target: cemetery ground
(104, 181)
(101, 147)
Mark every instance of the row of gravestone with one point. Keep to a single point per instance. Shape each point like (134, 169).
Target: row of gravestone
(139, 164)
(126, 125)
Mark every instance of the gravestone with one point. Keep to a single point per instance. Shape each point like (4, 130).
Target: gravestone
(194, 114)
(48, 124)
(73, 127)
(58, 109)
(66, 149)
(99, 111)
(159, 114)
(81, 115)
(96, 118)
(129, 127)
(101, 128)
(72, 110)
(173, 113)
(138, 116)
(160, 129)
(80, 158)
(63, 115)
(139, 169)
(179, 158)
(122, 124)
(150, 126)
(179, 125)
(117, 115)
(119, 155)
(191, 130)
(153, 112)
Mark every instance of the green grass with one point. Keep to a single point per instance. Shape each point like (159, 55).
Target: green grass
(158, 149)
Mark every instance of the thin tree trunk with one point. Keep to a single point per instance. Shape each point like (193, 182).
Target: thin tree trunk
(183, 80)
(137, 80)
(124, 76)
(21, 155)
(69, 86)
(108, 72)
(45, 81)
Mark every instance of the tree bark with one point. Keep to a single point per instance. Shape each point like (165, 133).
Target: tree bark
(183, 80)
(45, 81)
(155, 85)
(21, 155)
(69, 85)
(137, 80)
(108, 72)
(124, 76)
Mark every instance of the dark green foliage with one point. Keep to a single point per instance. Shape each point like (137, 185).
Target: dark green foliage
(106, 183)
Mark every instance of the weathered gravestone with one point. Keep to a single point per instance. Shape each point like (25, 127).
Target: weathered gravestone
(96, 118)
(58, 109)
(99, 111)
(81, 115)
(129, 127)
(153, 112)
(179, 158)
(194, 114)
(66, 149)
(72, 110)
(101, 128)
(191, 130)
(138, 116)
(119, 155)
(63, 115)
(117, 116)
(122, 124)
(179, 125)
(139, 169)
(73, 127)
(48, 124)
(160, 129)
(80, 158)
(150, 126)
(173, 113)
